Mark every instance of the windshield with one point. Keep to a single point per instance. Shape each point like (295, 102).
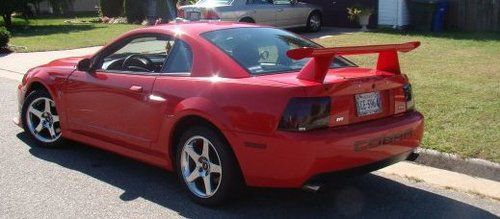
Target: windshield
(263, 50)
(214, 2)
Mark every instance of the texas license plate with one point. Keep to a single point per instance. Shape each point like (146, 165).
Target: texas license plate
(368, 103)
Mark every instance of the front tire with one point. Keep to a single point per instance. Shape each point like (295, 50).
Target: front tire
(206, 167)
(41, 120)
(314, 22)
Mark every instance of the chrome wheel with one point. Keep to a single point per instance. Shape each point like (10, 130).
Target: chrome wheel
(315, 22)
(43, 121)
(201, 166)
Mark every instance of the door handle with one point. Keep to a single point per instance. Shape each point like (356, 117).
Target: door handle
(280, 10)
(136, 88)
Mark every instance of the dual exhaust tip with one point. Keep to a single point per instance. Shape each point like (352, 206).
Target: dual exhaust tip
(316, 187)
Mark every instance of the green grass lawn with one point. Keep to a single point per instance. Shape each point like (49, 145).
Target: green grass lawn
(45, 34)
(456, 81)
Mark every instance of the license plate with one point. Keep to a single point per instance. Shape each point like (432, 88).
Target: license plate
(368, 103)
(194, 16)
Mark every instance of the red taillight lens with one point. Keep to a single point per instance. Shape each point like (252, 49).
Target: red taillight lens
(305, 113)
(180, 13)
(410, 104)
(210, 14)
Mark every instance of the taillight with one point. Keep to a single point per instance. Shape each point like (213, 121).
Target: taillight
(410, 104)
(180, 13)
(210, 14)
(305, 113)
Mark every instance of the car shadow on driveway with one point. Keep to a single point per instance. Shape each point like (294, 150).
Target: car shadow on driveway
(367, 196)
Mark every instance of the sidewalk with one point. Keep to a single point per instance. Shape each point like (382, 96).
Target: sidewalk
(21, 62)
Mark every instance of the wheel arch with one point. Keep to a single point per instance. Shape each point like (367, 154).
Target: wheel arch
(36, 85)
(193, 119)
(318, 11)
(248, 18)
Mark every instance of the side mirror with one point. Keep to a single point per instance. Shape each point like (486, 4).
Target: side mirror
(293, 2)
(84, 65)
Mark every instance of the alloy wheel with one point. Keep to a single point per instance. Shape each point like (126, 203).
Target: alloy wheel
(315, 22)
(43, 121)
(201, 167)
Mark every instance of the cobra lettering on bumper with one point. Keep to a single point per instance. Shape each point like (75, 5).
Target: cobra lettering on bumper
(384, 140)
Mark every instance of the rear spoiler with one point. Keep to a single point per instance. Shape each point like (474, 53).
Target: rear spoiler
(316, 69)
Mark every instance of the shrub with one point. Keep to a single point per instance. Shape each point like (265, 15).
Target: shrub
(110, 8)
(135, 10)
(4, 37)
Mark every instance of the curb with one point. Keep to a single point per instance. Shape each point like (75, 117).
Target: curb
(470, 166)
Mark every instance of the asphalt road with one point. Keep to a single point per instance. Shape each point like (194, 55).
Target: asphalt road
(80, 182)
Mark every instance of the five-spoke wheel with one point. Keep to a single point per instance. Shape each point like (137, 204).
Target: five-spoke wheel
(207, 167)
(40, 118)
(201, 166)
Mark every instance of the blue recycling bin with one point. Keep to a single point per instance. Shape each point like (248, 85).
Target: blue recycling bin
(439, 16)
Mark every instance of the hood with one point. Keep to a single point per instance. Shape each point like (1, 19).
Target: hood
(66, 62)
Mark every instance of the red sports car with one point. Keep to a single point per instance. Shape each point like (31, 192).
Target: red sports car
(227, 105)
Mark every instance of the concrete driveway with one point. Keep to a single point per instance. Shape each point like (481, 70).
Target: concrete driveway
(82, 182)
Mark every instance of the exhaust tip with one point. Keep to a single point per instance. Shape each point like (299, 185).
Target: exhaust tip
(314, 188)
(412, 157)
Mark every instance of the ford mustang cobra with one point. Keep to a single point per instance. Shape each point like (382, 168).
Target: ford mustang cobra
(227, 105)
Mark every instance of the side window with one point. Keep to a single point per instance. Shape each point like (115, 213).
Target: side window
(180, 60)
(259, 2)
(139, 54)
(282, 2)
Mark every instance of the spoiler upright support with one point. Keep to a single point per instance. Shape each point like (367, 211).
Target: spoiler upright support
(316, 69)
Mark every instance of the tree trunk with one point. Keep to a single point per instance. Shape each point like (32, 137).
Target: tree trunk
(7, 19)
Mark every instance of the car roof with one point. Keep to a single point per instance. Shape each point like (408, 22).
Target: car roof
(195, 28)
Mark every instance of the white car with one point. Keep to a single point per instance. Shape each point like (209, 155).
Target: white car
(279, 13)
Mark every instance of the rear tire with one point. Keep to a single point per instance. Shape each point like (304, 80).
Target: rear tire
(314, 22)
(247, 20)
(41, 120)
(206, 167)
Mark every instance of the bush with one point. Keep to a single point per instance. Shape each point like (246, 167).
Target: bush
(110, 8)
(4, 37)
(135, 10)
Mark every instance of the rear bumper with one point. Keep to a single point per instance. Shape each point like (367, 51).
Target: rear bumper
(322, 178)
(289, 159)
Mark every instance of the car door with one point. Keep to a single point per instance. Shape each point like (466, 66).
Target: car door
(290, 15)
(262, 11)
(113, 103)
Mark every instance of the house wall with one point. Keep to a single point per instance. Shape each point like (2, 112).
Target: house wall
(85, 5)
(393, 13)
(78, 6)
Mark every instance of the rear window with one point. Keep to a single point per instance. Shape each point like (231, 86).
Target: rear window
(263, 50)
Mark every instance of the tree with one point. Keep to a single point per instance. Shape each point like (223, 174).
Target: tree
(111, 8)
(7, 7)
(135, 10)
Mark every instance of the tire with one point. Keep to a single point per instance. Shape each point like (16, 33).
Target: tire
(247, 20)
(41, 123)
(224, 185)
(314, 22)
